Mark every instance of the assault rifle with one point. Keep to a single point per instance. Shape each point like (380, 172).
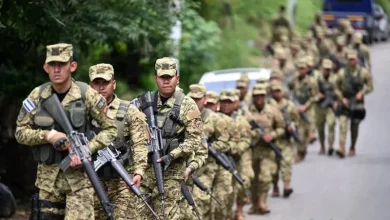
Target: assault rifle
(204, 188)
(187, 195)
(287, 121)
(110, 155)
(156, 144)
(272, 145)
(302, 114)
(79, 145)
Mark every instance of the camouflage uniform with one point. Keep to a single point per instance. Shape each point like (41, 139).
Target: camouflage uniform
(362, 49)
(134, 133)
(325, 114)
(340, 55)
(305, 90)
(69, 193)
(244, 81)
(358, 78)
(223, 186)
(191, 128)
(264, 164)
(285, 144)
(325, 45)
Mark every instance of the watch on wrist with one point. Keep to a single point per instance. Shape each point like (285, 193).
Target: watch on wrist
(192, 168)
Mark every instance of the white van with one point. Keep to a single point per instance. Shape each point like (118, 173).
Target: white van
(219, 80)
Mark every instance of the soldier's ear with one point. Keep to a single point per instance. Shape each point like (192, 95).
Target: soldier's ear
(114, 84)
(73, 66)
(46, 67)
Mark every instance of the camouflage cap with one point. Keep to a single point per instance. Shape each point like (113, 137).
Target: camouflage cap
(260, 89)
(280, 53)
(350, 30)
(295, 46)
(358, 38)
(166, 66)
(228, 94)
(212, 97)
(352, 54)
(276, 85)
(327, 64)
(340, 40)
(59, 53)
(197, 91)
(262, 80)
(276, 73)
(102, 70)
(243, 81)
(237, 94)
(284, 39)
(309, 60)
(301, 63)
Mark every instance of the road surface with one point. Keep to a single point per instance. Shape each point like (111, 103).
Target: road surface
(358, 188)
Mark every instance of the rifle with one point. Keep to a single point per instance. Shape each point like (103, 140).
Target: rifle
(204, 188)
(224, 161)
(110, 154)
(187, 195)
(79, 145)
(328, 100)
(287, 121)
(302, 114)
(156, 146)
(272, 145)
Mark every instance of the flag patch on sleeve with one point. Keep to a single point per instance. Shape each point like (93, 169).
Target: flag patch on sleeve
(28, 105)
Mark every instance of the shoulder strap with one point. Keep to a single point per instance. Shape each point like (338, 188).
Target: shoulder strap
(173, 115)
(42, 87)
(83, 88)
(205, 113)
(120, 115)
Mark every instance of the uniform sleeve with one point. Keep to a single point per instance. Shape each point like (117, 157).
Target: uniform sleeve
(193, 126)
(313, 92)
(366, 53)
(96, 104)
(221, 142)
(293, 113)
(235, 135)
(367, 78)
(338, 82)
(279, 124)
(139, 137)
(245, 136)
(198, 158)
(26, 133)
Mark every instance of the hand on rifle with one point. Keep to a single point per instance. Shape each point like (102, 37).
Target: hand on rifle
(292, 127)
(267, 137)
(302, 108)
(137, 180)
(335, 105)
(188, 173)
(76, 162)
(345, 102)
(359, 96)
(167, 159)
(57, 139)
(320, 95)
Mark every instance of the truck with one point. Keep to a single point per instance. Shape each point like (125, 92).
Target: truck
(363, 15)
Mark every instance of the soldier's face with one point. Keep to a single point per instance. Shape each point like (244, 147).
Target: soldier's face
(60, 72)
(212, 107)
(326, 72)
(226, 106)
(104, 87)
(259, 100)
(200, 102)
(277, 94)
(166, 84)
(243, 91)
(302, 71)
(352, 62)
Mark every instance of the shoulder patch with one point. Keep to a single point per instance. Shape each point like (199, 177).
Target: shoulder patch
(109, 114)
(192, 114)
(22, 114)
(135, 102)
(28, 105)
(101, 104)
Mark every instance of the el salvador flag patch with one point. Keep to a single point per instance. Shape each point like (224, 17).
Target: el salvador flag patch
(28, 105)
(135, 102)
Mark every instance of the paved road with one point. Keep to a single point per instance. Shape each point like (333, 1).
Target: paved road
(327, 188)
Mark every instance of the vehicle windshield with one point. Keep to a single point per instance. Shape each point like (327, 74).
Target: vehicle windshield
(221, 85)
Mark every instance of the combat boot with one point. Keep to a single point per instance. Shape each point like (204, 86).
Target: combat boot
(275, 192)
(330, 151)
(322, 150)
(341, 152)
(312, 136)
(352, 152)
(287, 189)
(239, 214)
(262, 204)
(254, 209)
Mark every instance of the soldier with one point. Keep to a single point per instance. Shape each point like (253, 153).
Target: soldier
(340, 51)
(291, 118)
(310, 48)
(215, 129)
(242, 84)
(179, 119)
(281, 25)
(304, 90)
(349, 35)
(324, 44)
(362, 49)
(131, 140)
(264, 164)
(354, 82)
(283, 64)
(62, 194)
(319, 24)
(326, 105)
(212, 101)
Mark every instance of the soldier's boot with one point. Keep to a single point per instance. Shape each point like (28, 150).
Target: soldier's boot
(287, 189)
(312, 136)
(275, 192)
(352, 152)
(239, 214)
(299, 157)
(303, 155)
(262, 204)
(330, 150)
(341, 151)
(254, 209)
(322, 150)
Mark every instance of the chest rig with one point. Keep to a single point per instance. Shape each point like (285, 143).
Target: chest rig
(77, 115)
(121, 144)
(352, 84)
(304, 93)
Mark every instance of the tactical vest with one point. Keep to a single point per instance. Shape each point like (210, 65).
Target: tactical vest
(121, 144)
(304, 94)
(326, 88)
(169, 121)
(77, 115)
(352, 84)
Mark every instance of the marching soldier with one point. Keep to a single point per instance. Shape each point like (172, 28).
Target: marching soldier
(354, 82)
(132, 140)
(264, 164)
(362, 49)
(340, 51)
(243, 85)
(68, 194)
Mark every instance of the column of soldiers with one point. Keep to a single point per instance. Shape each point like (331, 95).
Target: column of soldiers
(233, 142)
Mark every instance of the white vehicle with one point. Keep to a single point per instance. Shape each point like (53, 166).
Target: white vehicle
(219, 80)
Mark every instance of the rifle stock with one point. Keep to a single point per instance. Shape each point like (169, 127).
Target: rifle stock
(78, 143)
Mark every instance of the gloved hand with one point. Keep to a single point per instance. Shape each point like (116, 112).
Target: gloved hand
(58, 140)
(167, 159)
